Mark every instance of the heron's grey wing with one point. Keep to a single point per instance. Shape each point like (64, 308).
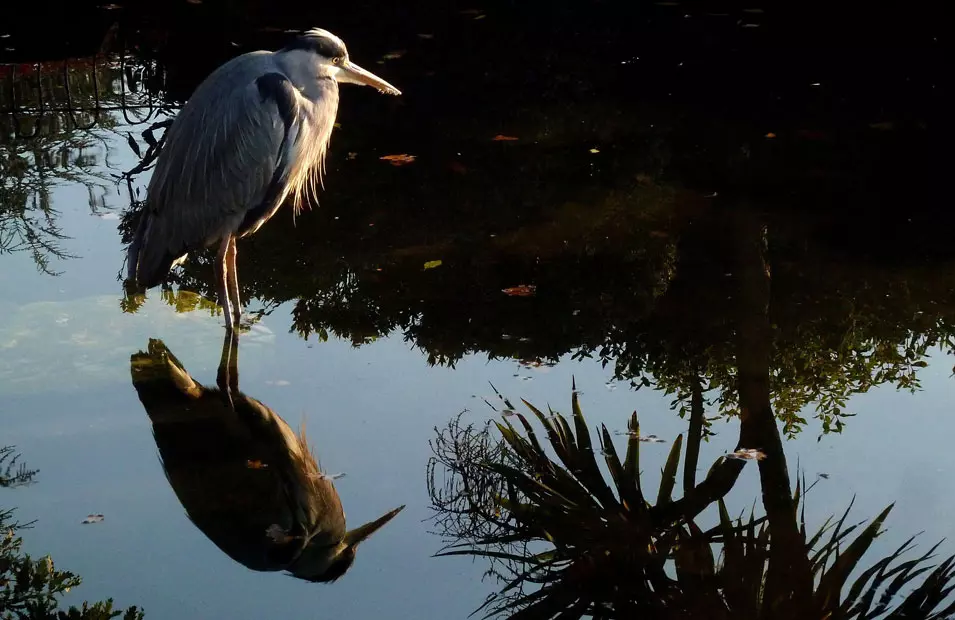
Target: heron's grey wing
(226, 156)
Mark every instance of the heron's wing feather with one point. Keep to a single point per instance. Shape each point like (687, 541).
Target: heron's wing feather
(220, 158)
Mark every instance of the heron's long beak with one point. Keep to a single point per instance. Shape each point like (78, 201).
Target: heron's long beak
(363, 532)
(350, 72)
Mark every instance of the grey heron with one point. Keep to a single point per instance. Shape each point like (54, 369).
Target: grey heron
(254, 132)
(247, 480)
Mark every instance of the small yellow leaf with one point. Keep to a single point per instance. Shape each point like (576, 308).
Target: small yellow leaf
(431, 264)
(594, 151)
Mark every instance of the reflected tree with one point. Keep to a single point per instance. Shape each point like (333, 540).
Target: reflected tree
(13, 472)
(55, 127)
(573, 543)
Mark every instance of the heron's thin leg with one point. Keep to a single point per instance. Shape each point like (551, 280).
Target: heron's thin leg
(233, 281)
(228, 376)
(222, 281)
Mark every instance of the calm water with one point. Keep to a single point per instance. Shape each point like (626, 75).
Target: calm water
(690, 231)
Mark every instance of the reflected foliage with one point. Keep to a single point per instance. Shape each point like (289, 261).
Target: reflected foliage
(30, 588)
(55, 126)
(13, 472)
(249, 482)
(570, 539)
(645, 286)
(620, 223)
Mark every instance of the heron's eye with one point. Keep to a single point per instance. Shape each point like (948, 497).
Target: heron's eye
(335, 60)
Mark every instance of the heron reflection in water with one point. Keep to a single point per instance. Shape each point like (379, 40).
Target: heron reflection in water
(255, 132)
(248, 481)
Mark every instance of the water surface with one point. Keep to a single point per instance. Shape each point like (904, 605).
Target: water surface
(689, 231)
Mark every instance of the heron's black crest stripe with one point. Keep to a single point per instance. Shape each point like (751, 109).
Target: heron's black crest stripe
(329, 48)
(279, 89)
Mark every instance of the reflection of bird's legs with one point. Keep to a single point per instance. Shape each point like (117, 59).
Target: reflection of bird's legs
(222, 280)
(228, 376)
(233, 275)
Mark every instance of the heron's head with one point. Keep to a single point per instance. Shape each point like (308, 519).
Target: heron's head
(331, 57)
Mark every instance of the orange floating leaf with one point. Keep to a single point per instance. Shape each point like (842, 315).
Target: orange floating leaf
(255, 464)
(503, 138)
(770, 135)
(521, 290)
(398, 160)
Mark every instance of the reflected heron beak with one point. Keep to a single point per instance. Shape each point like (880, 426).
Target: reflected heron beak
(363, 532)
(351, 73)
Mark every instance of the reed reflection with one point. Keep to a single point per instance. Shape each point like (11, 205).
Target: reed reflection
(246, 479)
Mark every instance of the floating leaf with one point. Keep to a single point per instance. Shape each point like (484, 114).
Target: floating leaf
(425, 36)
(594, 151)
(770, 135)
(255, 464)
(398, 160)
(644, 438)
(394, 55)
(521, 290)
(503, 138)
(431, 264)
(747, 454)
(93, 518)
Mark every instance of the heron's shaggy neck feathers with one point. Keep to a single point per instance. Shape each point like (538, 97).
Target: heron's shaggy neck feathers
(319, 105)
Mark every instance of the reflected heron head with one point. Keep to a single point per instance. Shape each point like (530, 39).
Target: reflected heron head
(326, 564)
(329, 52)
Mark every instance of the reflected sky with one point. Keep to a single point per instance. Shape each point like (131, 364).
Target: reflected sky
(70, 409)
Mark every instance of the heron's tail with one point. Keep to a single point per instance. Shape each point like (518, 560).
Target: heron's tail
(135, 248)
(148, 259)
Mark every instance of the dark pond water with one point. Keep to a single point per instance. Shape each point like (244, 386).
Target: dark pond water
(729, 220)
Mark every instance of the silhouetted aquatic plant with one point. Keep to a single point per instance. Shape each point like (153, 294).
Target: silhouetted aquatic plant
(570, 538)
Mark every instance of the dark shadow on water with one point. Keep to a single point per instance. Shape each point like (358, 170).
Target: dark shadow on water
(249, 482)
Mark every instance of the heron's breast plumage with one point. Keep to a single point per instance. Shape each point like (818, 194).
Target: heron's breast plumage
(319, 108)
